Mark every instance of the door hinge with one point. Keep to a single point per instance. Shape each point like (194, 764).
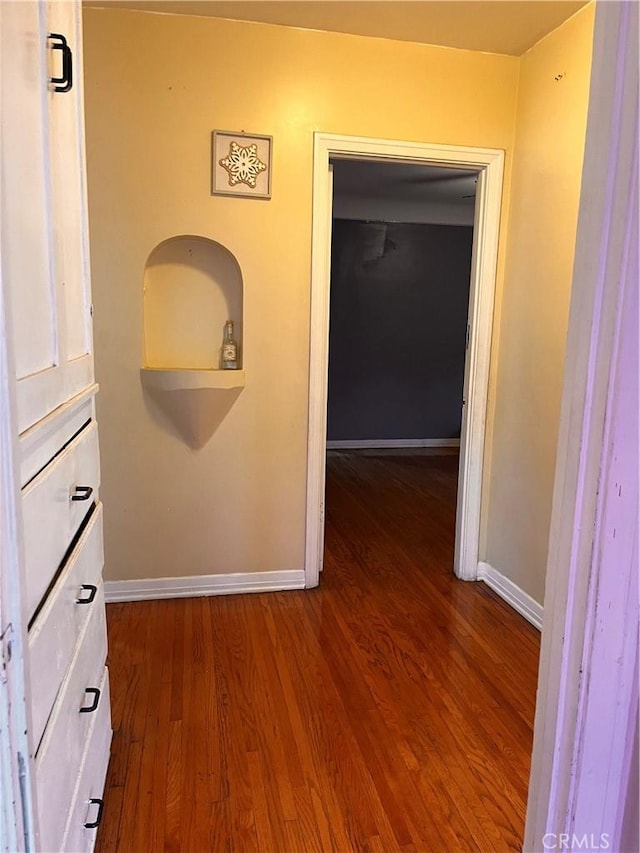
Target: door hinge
(5, 655)
(466, 345)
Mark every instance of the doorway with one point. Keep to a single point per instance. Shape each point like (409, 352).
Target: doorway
(488, 164)
(400, 271)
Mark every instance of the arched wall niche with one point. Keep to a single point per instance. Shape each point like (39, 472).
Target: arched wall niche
(192, 285)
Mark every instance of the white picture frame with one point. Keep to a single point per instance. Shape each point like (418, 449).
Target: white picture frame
(241, 164)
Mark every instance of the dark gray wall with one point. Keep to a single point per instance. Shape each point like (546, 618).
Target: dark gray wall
(399, 302)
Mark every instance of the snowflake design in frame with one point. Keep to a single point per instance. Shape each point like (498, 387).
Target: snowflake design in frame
(241, 164)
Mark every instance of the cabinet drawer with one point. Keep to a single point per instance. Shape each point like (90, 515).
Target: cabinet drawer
(55, 633)
(59, 757)
(52, 511)
(38, 445)
(77, 837)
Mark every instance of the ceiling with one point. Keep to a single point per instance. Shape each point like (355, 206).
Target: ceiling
(494, 26)
(404, 182)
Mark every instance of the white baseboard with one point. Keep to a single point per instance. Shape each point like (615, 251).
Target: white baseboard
(383, 443)
(189, 587)
(512, 594)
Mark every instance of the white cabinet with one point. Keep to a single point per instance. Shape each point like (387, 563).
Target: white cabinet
(46, 257)
(54, 442)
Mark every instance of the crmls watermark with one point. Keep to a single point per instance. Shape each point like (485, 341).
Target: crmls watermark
(588, 842)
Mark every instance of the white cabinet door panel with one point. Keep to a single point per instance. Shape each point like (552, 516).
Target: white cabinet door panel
(44, 208)
(68, 179)
(26, 239)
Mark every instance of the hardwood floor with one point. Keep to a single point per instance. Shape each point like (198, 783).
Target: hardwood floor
(389, 710)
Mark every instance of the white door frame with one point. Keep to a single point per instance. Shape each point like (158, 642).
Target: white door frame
(583, 758)
(490, 163)
(16, 803)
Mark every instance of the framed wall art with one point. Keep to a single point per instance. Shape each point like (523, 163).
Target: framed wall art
(241, 164)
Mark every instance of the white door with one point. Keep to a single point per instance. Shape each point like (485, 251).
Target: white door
(66, 148)
(48, 283)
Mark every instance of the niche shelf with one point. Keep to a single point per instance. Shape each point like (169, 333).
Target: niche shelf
(167, 379)
(192, 286)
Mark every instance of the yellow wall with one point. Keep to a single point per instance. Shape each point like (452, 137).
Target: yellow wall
(545, 189)
(156, 86)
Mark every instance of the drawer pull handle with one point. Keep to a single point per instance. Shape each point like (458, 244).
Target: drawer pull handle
(65, 82)
(96, 698)
(93, 591)
(96, 823)
(82, 493)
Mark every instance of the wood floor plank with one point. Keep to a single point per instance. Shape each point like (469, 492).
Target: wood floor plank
(111, 818)
(128, 815)
(172, 793)
(391, 709)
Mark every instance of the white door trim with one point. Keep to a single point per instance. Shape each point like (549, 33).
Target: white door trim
(16, 802)
(490, 162)
(587, 704)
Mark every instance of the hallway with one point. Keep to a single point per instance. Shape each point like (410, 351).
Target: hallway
(390, 709)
